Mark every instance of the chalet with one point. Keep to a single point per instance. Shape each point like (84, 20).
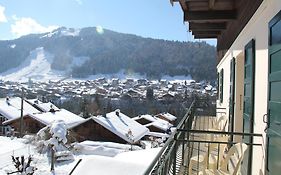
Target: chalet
(10, 109)
(248, 37)
(142, 81)
(168, 96)
(115, 82)
(134, 93)
(33, 123)
(113, 127)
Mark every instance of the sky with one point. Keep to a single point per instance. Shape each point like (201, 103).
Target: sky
(147, 18)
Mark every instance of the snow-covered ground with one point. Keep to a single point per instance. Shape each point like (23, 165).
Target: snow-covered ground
(96, 156)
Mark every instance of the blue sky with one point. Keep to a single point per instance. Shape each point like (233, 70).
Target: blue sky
(147, 18)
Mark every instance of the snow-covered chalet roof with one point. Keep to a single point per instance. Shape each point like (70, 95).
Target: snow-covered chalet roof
(45, 107)
(11, 109)
(123, 126)
(69, 118)
(155, 121)
(146, 116)
(168, 116)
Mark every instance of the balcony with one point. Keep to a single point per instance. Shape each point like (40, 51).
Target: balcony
(202, 145)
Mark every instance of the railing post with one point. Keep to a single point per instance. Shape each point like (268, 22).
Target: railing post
(175, 155)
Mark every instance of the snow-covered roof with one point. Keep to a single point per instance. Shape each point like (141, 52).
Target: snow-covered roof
(127, 163)
(69, 118)
(46, 107)
(123, 126)
(160, 125)
(11, 109)
(208, 87)
(146, 116)
(158, 134)
(155, 121)
(168, 116)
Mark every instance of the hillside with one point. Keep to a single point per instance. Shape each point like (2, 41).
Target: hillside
(84, 52)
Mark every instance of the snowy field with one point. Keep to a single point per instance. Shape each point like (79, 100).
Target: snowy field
(96, 157)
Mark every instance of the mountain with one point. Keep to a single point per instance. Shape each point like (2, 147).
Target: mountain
(83, 52)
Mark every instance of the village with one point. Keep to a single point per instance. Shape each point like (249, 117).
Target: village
(103, 111)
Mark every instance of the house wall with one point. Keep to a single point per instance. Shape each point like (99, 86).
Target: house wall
(257, 29)
(91, 130)
(31, 126)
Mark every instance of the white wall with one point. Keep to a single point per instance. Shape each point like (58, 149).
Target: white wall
(257, 29)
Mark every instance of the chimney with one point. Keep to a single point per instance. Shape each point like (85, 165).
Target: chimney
(104, 112)
(117, 112)
(8, 100)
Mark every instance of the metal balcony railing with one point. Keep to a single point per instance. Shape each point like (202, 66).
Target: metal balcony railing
(171, 157)
(194, 146)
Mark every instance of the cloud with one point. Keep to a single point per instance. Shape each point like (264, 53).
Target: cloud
(2, 15)
(79, 2)
(24, 26)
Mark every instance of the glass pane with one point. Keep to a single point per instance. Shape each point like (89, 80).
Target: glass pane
(276, 34)
(274, 150)
(275, 62)
(275, 94)
(247, 90)
(248, 56)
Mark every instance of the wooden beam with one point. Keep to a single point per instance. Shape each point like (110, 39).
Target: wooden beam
(183, 5)
(211, 15)
(207, 26)
(212, 4)
(205, 36)
(206, 33)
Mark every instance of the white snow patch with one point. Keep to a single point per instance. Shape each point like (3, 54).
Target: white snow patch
(63, 32)
(59, 131)
(37, 67)
(127, 163)
(13, 46)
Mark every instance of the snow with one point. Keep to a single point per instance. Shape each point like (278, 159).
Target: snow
(46, 107)
(13, 46)
(127, 163)
(69, 118)
(12, 108)
(158, 134)
(208, 87)
(123, 126)
(8, 145)
(62, 32)
(59, 131)
(37, 67)
(109, 149)
(155, 121)
(169, 116)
